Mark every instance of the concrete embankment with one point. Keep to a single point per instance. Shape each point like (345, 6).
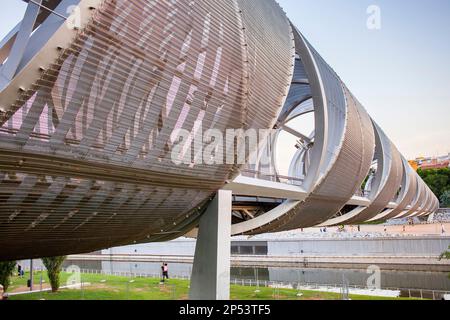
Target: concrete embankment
(389, 253)
(411, 263)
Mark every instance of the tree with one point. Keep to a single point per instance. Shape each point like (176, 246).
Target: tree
(54, 266)
(437, 179)
(445, 199)
(6, 271)
(446, 255)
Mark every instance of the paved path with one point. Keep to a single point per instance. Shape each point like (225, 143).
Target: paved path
(419, 230)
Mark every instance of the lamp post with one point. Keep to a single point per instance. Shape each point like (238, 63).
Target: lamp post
(31, 275)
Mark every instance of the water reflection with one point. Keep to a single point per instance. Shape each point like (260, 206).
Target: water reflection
(389, 279)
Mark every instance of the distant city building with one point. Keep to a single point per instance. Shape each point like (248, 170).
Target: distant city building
(429, 163)
(413, 164)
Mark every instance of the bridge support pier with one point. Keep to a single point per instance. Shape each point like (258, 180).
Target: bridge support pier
(211, 271)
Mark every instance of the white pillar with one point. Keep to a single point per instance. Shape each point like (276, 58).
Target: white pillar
(211, 271)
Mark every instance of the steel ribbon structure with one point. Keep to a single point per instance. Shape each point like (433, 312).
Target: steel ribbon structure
(93, 91)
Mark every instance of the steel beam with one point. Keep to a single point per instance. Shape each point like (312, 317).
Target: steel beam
(8, 70)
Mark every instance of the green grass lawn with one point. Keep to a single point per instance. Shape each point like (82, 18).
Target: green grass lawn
(105, 287)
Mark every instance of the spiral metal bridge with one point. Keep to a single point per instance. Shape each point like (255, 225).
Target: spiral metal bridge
(92, 91)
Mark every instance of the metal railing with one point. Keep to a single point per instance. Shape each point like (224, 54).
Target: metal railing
(404, 292)
(272, 177)
(305, 286)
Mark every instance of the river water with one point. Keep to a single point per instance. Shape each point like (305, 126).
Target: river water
(389, 279)
(316, 276)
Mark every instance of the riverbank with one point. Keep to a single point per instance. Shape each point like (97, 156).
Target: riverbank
(404, 263)
(420, 253)
(108, 287)
(383, 230)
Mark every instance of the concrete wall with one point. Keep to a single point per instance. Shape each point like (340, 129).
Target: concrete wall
(178, 269)
(404, 279)
(172, 248)
(432, 246)
(361, 247)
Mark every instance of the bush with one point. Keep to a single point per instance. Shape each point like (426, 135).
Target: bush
(6, 271)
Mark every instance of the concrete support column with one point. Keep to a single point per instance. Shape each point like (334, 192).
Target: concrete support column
(211, 271)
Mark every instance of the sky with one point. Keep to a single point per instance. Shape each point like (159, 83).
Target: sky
(399, 72)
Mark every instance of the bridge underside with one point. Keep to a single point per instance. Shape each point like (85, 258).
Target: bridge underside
(91, 100)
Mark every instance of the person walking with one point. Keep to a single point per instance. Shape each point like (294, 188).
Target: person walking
(19, 270)
(3, 294)
(165, 272)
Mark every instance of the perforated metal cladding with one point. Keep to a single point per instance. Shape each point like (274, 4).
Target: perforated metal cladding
(137, 73)
(424, 202)
(355, 156)
(299, 92)
(436, 205)
(270, 50)
(414, 198)
(422, 198)
(403, 184)
(387, 194)
(410, 192)
(383, 160)
(272, 47)
(424, 205)
(92, 214)
(415, 204)
(432, 201)
(430, 207)
(353, 161)
(428, 203)
(298, 102)
(86, 163)
(334, 186)
(336, 111)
